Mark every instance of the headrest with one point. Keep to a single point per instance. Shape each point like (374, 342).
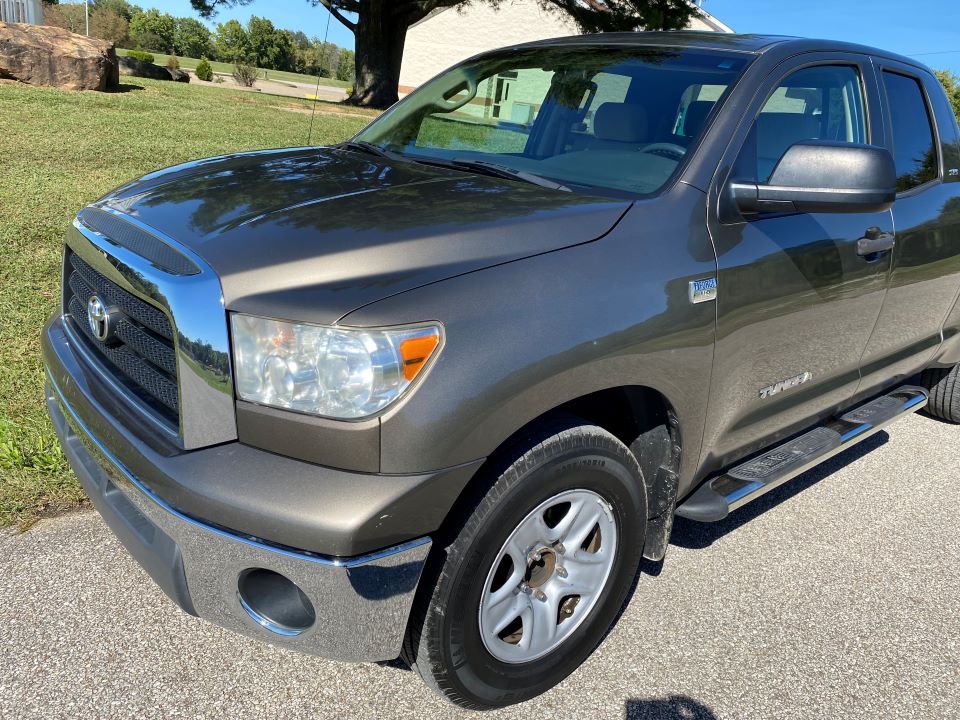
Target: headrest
(620, 122)
(696, 117)
(776, 131)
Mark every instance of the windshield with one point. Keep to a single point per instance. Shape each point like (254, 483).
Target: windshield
(583, 117)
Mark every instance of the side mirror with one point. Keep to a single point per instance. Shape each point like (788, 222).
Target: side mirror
(817, 176)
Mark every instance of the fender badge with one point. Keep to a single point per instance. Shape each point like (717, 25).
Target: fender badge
(779, 387)
(703, 290)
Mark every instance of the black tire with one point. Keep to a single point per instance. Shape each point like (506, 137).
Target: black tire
(944, 387)
(443, 641)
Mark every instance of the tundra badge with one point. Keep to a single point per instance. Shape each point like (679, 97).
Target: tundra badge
(779, 387)
(703, 290)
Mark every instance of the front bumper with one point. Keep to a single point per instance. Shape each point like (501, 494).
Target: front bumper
(361, 603)
(360, 598)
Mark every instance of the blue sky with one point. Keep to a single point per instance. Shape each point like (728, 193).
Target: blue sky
(914, 28)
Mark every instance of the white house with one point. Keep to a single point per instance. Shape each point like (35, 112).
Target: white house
(449, 35)
(21, 11)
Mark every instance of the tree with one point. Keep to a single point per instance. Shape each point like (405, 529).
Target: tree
(269, 47)
(322, 58)
(152, 30)
(345, 65)
(108, 25)
(231, 42)
(951, 83)
(300, 39)
(380, 29)
(67, 16)
(122, 8)
(192, 38)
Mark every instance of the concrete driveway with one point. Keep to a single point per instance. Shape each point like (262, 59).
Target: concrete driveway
(837, 596)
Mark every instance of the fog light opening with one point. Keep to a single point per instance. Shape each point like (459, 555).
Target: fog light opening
(275, 602)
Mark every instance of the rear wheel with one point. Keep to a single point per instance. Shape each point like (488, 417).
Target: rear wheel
(535, 574)
(944, 387)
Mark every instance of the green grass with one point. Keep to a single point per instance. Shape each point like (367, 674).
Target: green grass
(187, 63)
(58, 151)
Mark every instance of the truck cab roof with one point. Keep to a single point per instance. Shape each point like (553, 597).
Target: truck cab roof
(703, 40)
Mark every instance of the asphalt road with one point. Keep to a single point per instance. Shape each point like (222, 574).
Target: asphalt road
(837, 596)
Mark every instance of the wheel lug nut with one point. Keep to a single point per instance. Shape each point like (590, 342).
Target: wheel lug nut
(524, 588)
(539, 595)
(561, 571)
(559, 547)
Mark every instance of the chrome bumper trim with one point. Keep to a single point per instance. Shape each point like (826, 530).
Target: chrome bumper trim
(363, 602)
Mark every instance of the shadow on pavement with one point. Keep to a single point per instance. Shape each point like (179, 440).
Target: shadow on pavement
(674, 707)
(696, 535)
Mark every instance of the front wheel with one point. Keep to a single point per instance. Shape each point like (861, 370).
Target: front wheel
(537, 573)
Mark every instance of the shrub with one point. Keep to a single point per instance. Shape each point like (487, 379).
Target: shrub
(141, 55)
(244, 74)
(173, 62)
(218, 78)
(204, 71)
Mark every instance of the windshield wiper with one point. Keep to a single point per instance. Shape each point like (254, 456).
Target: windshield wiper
(488, 168)
(364, 146)
(496, 170)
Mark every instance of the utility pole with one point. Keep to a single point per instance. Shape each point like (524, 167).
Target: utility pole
(86, 14)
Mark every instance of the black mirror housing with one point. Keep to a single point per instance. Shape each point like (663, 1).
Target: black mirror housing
(822, 176)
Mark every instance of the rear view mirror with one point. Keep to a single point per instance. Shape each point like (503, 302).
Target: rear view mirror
(820, 176)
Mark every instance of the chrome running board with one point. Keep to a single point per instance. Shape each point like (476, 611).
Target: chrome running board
(717, 497)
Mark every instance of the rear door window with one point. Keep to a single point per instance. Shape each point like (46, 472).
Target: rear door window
(914, 147)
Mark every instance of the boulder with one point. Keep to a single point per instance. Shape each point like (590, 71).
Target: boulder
(45, 55)
(178, 75)
(142, 68)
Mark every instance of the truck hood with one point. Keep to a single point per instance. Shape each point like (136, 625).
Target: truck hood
(313, 233)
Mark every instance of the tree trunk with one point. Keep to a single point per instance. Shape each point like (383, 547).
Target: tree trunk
(380, 39)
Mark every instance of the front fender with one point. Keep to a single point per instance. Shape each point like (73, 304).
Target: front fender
(525, 337)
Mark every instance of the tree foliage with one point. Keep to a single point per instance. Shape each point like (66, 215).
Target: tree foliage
(345, 65)
(381, 26)
(124, 9)
(152, 30)
(951, 83)
(231, 41)
(108, 25)
(67, 16)
(269, 47)
(192, 38)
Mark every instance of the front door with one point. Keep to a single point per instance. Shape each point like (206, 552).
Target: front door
(796, 304)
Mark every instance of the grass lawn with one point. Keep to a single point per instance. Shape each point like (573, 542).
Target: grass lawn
(60, 150)
(187, 63)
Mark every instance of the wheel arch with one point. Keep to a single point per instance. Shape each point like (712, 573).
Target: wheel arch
(640, 416)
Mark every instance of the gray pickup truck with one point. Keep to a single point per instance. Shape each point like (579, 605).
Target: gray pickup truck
(434, 392)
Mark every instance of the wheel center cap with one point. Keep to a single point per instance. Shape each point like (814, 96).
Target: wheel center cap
(539, 571)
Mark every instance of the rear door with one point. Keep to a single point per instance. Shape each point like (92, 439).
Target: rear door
(925, 273)
(796, 304)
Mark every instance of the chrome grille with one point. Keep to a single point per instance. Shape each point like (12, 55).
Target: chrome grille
(143, 358)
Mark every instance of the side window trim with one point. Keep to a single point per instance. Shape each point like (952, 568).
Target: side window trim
(885, 66)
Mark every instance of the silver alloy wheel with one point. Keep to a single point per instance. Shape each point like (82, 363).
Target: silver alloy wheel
(548, 576)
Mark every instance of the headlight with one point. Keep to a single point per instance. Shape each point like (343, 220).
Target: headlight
(337, 372)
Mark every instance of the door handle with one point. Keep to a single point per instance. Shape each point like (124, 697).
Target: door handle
(874, 242)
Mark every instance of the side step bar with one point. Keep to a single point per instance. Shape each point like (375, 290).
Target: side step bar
(716, 498)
